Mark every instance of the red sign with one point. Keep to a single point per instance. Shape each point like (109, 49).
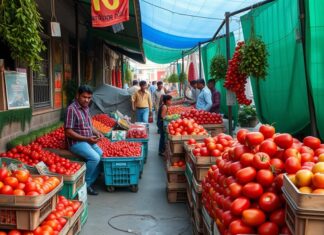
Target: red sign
(109, 12)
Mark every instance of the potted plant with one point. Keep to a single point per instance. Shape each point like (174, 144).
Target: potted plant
(247, 116)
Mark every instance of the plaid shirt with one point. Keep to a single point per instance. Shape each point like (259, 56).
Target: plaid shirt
(79, 120)
(216, 101)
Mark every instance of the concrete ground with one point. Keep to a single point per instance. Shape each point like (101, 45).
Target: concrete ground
(146, 212)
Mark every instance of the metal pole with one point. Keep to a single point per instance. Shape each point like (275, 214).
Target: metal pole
(199, 45)
(77, 37)
(182, 60)
(310, 100)
(228, 56)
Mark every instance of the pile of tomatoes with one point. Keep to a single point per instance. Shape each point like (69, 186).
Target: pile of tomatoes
(185, 127)
(243, 190)
(100, 126)
(235, 81)
(203, 117)
(20, 183)
(55, 221)
(178, 109)
(212, 146)
(179, 163)
(105, 119)
(34, 153)
(120, 148)
(137, 133)
(55, 139)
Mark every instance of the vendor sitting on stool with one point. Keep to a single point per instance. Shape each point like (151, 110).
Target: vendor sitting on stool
(162, 113)
(82, 136)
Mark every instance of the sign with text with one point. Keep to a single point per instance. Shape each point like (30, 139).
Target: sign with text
(105, 13)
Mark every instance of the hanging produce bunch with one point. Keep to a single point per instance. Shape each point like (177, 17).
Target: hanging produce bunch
(218, 67)
(174, 78)
(254, 58)
(236, 80)
(183, 77)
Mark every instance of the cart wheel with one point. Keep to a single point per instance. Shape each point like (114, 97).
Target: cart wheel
(110, 189)
(134, 188)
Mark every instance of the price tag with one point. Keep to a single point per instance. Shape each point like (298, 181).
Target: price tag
(118, 135)
(82, 193)
(12, 167)
(230, 98)
(42, 168)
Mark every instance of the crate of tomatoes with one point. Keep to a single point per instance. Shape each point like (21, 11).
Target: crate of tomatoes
(25, 199)
(122, 163)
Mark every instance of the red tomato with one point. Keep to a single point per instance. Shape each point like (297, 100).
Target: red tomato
(235, 167)
(241, 134)
(269, 147)
(14, 232)
(12, 181)
(246, 159)
(239, 150)
(6, 189)
(307, 157)
(268, 228)
(254, 138)
(246, 175)
(291, 152)
(267, 130)
(292, 165)
(235, 190)
(278, 217)
(269, 202)
(4, 173)
(30, 186)
(265, 177)
(18, 192)
(228, 218)
(312, 142)
(253, 217)
(277, 165)
(261, 161)
(238, 227)
(192, 141)
(318, 180)
(22, 175)
(284, 141)
(239, 205)
(252, 190)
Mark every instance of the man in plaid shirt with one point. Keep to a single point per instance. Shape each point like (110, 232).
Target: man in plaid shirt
(216, 97)
(82, 136)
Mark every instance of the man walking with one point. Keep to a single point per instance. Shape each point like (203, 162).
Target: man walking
(142, 103)
(82, 136)
(157, 96)
(152, 88)
(204, 101)
(215, 96)
(133, 88)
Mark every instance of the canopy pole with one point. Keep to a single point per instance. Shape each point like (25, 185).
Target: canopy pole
(199, 46)
(228, 56)
(77, 38)
(310, 100)
(182, 60)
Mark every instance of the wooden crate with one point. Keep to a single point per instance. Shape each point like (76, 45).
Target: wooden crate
(207, 219)
(177, 147)
(214, 129)
(303, 201)
(173, 157)
(190, 199)
(196, 198)
(303, 222)
(201, 165)
(75, 228)
(198, 218)
(176, 192)
(195, 227)
(207, 230)
(175, 174)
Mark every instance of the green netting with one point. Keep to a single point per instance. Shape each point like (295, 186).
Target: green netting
(281, 99)
(315, 56)
(208, 51)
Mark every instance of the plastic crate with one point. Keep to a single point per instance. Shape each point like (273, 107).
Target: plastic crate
(122, 172)
(144, 144)
(73, 184)
(84, 214)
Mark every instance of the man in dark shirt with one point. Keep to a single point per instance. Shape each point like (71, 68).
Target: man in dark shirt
(215, 96)
(82, 136)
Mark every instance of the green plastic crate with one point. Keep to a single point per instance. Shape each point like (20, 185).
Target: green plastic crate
(145, 146)
(71, 187)
(84, 215)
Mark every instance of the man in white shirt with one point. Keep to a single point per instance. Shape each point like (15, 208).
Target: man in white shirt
(133, 88)
(157, 96)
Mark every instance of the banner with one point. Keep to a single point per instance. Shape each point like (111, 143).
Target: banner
(109, 12)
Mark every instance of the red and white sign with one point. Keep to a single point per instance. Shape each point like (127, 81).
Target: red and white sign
(109, 12)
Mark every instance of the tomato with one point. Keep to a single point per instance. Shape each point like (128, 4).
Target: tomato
(292, 152)
(235, 190)
(238, 227)
(32, 193)
(246, 174)
(254, 138)
(312, 142)
(319, 151)
(261, 161)
(239, 150)
(239, 205)
(277, 165)
(318, 180)
(253, 217)
(246, 159)
(268, 228)
(192, 141)
(265, 177)
(279, 180)
(12, 181)
(285, 231)
(278, 217)
(241, 134)
(318, 168)
(14, 232)
(18, 192)
(267, 130)
(22, 175)
(6, 189)
(215, 153)
(235, 167)
(252, 190)
(283, 141)
(306, 157)
(62, 221)
(227, 218)
(269, 202)
(4, 173)
(30, 186)
(292, 165)
(269, 147)
(303, 178)
(318, 191)
(306, 189)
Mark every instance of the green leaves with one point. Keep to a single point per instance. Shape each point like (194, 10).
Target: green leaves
(254, 58)
(128, 75)
(20, 27)
(246, 115)
(218, 67)
(183, 77)
(173, 78)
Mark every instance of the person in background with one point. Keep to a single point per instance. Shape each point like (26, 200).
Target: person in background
(192, 92)
(152, 88)
(82, 137)
(216, 97)
(142, 103)
(133, 88)
(162, 113)
(160, 91)
(204, 101)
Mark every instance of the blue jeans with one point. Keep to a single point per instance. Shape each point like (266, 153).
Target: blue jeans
(142, 115)
(92, 154)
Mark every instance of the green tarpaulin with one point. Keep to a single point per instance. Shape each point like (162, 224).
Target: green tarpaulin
(208, 51)
(281, 98)
(315, 57)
